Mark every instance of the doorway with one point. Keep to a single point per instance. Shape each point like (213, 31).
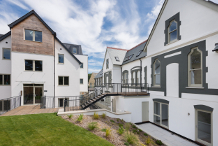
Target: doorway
(161, 114)
(145, 111)
(204, 127)
(32, 93)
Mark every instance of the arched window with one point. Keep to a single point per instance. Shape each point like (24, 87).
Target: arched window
(172, 30)
(195, 68)
(156, 72)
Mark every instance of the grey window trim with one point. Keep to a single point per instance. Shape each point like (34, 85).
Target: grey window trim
(3, 80)
(123, 74)
(136, 69)
(203, 107)
(176, 17)
(161, 100)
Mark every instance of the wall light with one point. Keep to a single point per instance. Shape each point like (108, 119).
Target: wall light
(216, 48)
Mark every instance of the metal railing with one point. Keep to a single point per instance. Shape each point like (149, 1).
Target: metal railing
(74, 103)
(8, 104)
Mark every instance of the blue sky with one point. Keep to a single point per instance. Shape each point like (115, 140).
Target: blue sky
(94, 24)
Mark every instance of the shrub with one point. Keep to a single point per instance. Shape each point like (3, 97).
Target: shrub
(140, 130)
(96, 116)
(126, 143)
(120, 125)
(148, 140)
(108, 132)
(131, 138)
(133, 126)
(104, 115)
(127, 126)
(134, 131)
(70, 116)
(118, 120)
(112, 121)
(120, 130)
(80, 118)
(103, 130)
(159, 142)
(145, 134)
(93, 125)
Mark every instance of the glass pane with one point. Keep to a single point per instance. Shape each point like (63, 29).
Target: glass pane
(1, 105)
(66, 80)
(38, 36)
(173, 26)
(7, 104)
(38, 94)
(6, 54)
(195, 59)
(157, 120)
(61, 58)
(38, 65)
(28, 65)
(81, 81)
(204, 126)
(29, 35)
(7, 80)
(81, 66)
(61, 102)
(60, 81)
(164, 116)
(157, 79)
(173, 35)
(74, 50)
(196, 76)
(157, 108)
(1, 80)
(157, 67)
(28, 95)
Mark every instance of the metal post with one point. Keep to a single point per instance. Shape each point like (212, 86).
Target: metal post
(65, 103)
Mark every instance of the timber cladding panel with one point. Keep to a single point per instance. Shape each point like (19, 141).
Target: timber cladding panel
(19, 44)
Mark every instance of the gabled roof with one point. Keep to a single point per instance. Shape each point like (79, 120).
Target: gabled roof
(100, 74)
(118, 53)
(135, 53)
(68, 51)
(71, 46)
(2, 37)
(27, 15)
(159, 15)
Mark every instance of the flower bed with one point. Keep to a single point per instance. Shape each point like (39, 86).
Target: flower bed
(110, 129)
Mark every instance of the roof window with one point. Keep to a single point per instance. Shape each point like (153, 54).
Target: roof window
(117, 58)
(139, 53)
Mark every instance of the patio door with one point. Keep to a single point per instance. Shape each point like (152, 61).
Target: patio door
(32, 93)
(161, 114)
(204, 127)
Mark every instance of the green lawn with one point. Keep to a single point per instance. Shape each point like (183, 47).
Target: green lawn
(45, 129)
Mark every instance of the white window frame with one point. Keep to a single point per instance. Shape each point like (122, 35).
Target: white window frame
(58, 58)
(33, 35)
(169, 32)
(196, 129)
(154, 74)
(189, 69)
(3, 53)
(3, 81)
(33, 65)
(63, 80)
(160, 116)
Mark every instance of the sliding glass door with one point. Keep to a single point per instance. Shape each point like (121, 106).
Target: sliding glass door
(161, 114)
(32, 93)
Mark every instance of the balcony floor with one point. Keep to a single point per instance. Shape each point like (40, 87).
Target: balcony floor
(128, 93)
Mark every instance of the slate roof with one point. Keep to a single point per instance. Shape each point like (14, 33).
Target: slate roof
(135, 53)
(2, 37)
(100, 74)
(71, 46)
(116, 52)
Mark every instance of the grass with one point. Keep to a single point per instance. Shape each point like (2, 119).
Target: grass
(92, 125)
(43, 130)
(80, 118)
(131, 138)
(96, 116)
(120, 130)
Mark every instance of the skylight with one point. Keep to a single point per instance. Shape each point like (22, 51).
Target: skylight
(117, 58)
(139, 53)
(130, 57)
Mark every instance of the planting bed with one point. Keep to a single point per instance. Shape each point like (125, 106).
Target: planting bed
(113, 124)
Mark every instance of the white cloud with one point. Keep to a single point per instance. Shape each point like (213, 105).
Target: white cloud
(93, 62)
(91, 70)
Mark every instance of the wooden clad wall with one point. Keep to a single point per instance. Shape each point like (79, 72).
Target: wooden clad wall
(19, 44)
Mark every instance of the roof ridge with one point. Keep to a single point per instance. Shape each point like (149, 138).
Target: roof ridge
(117, 49)
(138, 45)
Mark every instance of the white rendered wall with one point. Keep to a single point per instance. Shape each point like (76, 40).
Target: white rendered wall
(129, 66)
(70, 68)
(83, 72)
(19, 76)
(116, 78)
(107, 56)
(5, 68)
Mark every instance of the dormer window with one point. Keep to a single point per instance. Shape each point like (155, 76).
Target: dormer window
(172, 30)
(74, 50)
(117, 58)
(33, 35)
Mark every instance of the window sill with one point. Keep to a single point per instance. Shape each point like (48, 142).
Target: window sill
(156, 86)
(33, 41)
(172, 42)
(194, 87)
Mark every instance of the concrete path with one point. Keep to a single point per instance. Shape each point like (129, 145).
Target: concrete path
(29, 109)
(165, 136)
